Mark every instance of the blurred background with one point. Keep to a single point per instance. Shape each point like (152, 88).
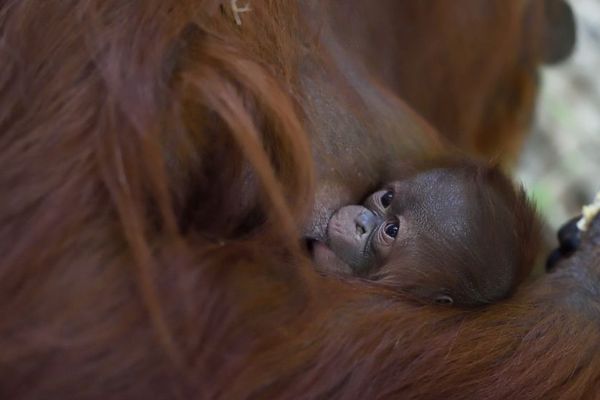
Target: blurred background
(560, 165)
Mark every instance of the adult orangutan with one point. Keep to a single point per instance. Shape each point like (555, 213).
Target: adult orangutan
(154, 168)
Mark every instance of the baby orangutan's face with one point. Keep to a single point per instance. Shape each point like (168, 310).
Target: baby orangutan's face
(449, 235)
(361, 237)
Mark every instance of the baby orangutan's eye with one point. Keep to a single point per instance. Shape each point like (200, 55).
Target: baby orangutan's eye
(386, 198)
(391, 229)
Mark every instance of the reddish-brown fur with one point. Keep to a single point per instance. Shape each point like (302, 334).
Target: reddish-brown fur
(154, 165)
(497, 63)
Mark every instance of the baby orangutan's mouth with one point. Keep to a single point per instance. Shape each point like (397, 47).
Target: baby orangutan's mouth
(315, 248)
(326, 261)
(309, 244)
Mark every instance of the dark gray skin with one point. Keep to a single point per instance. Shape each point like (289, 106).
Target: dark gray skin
(427, 235)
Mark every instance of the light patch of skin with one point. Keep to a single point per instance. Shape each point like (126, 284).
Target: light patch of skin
(237, 10)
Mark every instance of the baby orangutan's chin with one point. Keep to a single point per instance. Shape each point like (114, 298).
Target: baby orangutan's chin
(327, 261)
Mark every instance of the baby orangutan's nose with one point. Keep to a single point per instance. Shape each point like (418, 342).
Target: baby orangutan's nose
(365, 222)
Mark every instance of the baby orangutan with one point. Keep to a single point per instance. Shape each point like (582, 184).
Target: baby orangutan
(458, 233)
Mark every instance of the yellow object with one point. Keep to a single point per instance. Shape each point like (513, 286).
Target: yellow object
(588, 213)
